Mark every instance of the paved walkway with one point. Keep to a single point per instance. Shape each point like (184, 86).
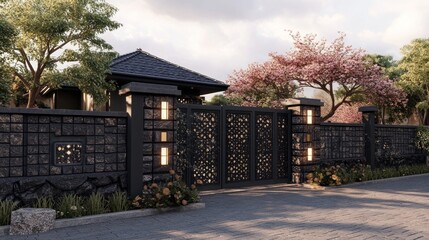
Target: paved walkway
(393, 209)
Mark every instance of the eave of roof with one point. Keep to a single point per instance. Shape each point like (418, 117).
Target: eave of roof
(148, 66)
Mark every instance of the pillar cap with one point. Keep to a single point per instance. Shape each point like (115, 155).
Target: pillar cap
(149, 88)
(368, 109)
(291, 102)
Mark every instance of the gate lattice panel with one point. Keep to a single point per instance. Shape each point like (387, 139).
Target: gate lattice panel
(205, 138)
(230, 146)
(264, 147)
(237, 147)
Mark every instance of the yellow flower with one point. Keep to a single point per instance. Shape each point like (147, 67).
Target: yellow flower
(166, 191)
(193, 186)
(199, 181)
(184, 202)
(154, 185)
(169, 184)
(172, 172)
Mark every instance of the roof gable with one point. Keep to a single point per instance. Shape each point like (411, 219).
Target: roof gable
(141, 64)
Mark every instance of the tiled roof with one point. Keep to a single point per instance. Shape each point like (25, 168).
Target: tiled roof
(145, 65)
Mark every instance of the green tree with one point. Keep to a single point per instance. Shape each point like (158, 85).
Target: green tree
(221, 99)
(6, 38)
(415, 79)
(58, 43)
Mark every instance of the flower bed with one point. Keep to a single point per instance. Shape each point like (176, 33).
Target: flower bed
(171, 193)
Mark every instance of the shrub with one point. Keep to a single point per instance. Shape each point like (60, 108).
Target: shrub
(6, 208)
(118, 201)
(167, 194)
(44, 202)
(342, 174)
(69, 206)
(95, 204)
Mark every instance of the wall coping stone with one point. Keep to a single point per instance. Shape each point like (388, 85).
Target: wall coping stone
(292, 102)
(61, 112)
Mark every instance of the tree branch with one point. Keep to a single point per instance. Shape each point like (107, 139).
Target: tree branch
(23, 80)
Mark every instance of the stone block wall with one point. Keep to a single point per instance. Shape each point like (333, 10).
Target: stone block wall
(42, 143)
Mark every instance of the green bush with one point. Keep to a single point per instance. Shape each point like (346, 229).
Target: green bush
(167, 194)
(95, 204)
(118, 202)
(341, 174)
(44, 202)
(6, 208)
(69, 206)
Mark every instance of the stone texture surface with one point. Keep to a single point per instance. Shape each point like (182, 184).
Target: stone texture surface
(26, 221)
(396, 209)
(26, 191)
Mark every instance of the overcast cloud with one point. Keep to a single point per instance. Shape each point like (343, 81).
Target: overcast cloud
(215, 37)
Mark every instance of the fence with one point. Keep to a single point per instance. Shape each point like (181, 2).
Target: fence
(394, 144)
(49, 152)
(44, 152)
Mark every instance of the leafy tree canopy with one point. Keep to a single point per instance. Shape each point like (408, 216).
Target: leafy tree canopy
(6, 38)
(415, 77)
(58, 42)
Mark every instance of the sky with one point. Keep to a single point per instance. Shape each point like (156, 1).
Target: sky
(216, 37)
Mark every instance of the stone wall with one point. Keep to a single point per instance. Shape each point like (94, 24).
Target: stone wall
(42, 143)
(158, 133)
(27, 190)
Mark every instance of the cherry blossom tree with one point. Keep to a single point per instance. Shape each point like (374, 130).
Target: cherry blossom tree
(347, 113)
(328, 67)
(264, 85)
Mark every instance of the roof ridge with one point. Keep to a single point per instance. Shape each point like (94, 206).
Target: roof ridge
(124, 57)
(178, 66)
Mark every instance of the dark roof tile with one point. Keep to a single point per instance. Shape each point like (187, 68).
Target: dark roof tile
(143, 64)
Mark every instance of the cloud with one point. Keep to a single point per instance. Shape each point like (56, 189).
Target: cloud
(217, 37)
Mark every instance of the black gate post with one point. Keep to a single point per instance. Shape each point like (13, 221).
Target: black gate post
(368, 119)
(289, 146)
(141, 141)
(305, 141)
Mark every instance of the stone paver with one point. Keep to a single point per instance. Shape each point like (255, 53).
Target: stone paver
(397, 209)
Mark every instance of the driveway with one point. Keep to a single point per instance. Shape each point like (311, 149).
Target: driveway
(388, 209)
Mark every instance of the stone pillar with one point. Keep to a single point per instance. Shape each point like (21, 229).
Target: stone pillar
(305, 138)
(147, 132)
(368, 118)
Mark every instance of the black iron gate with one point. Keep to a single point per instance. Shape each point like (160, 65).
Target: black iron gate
(233, 146)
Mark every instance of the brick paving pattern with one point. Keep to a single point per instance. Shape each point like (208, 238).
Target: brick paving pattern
(392, 209)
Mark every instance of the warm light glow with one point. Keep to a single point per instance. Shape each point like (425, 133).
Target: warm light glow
(163, 136)
(309, 117)
(310, 154)
(164, 110)
(164, 156)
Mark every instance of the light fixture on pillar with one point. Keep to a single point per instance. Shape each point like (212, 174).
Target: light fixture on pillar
(309, 116)
(310, 154)
(163, 136)
(164, 110)
(164, 156)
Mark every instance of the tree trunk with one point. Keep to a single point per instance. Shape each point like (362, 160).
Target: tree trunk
(33, 94)
(426, 117)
